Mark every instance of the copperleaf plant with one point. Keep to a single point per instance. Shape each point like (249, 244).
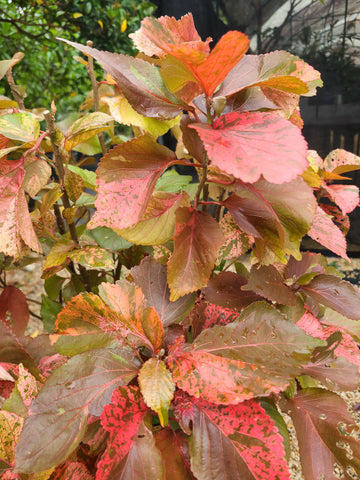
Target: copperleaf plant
(181, 318)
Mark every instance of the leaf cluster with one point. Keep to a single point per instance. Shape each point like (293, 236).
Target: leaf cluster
(181, 318)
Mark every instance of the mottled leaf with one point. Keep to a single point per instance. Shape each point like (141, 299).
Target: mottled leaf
(251, 447)
(335, 293)
(255, 355)
(269, 283)
(151, 276)
(58, 256)
(123, 419)
(22, 126)
(340, 161)
(73, 471)
(157, 387)
(127, 176)
(236, 242)
(92, 257)
(59, 414)
(37, 174)
(13, 301)
(86, 127)
(271, 145)
(352, 327)
(166, 35)
(25, 386)
(139, 81)
(197, 240)
(321, 421)
(325, 232)
(10, 428)
(158, 224)
(345, 196)
(132, 316)
(225, 289)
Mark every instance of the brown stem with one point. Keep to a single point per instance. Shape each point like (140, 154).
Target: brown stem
(220, 207)
(202, 182)
(90, 69)
(59, 165)
(12, 84)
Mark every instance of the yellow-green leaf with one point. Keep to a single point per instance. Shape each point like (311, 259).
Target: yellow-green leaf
(21, 126)
(157, 387)
(86, 127)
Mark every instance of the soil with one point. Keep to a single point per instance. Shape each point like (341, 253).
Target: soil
(29, 281)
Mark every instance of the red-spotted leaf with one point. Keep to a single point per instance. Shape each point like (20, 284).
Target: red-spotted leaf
(16, 229)
(37, 174)
(139, 81)
(25, 390)
(325, 232)
(10, 428)
(197, 240)
(172, 446)
(133, 317)
(157, 387)
(158, 224)
(225, 289)
(340, 161)
(269, 283)
(166, 35)
(345, 196)
(321, 421)
(127, 175)
(236, 242)
(335, 293)
(151, 276)
(131, 451)
(251, 446)
(59, 414)
(206, 315)
(12, 351)
(250, 144)
(274, 69)
(255, 355)
(13, 301)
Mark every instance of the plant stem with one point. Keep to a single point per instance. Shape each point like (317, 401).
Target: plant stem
(90, 69)
(202, 182)
(220, 207)
(12, 84)
(59, 165)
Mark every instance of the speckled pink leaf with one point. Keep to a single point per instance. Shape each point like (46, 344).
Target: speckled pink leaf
(13, 301)
(236, 242)
(321, 421)
(345, 196)
(206, 315)
(325, 232)
(197, 240)
(255, 355)
(59, 414)
(347, 347)
(151, 276)
(251, 446)
(10, 428)
(27, 386)
(122, 419)
(335, 293)
(16, 230)
(250, 144)
(340, 161)
(127, 175)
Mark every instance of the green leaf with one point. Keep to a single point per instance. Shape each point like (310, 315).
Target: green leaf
(88, 176)
(172, 181)
(107, 238)
(21, 126)
(49, 311)
(157, 387)
(86, 127)
(59, 414)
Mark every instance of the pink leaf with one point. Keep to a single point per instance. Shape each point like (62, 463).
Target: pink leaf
(127, 176)
(345, 196)
(250, 144)
(251, 447)
(341, 161)
(13, 300)
(324, 231)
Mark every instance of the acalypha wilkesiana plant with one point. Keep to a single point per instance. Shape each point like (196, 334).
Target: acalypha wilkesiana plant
(180, 317)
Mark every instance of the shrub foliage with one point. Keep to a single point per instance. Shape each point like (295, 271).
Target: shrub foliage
(180, 317)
